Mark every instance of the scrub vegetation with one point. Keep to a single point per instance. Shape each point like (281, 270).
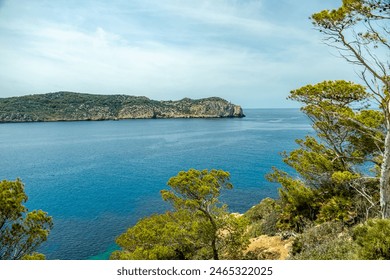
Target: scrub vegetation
(336, 205)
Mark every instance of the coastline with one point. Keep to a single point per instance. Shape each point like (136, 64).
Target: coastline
(72, 106)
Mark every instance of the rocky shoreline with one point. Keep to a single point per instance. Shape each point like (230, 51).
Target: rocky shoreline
(71, 106)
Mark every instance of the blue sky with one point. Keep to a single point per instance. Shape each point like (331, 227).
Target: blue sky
(250, 52)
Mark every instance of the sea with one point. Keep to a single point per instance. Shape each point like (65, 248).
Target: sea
(98, 178)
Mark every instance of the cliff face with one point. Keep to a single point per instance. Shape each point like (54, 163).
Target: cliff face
(69, 106)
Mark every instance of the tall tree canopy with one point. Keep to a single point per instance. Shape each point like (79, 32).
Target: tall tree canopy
(21, 232)
(360, 30)
(344, 171)
(197, 192)
(200, 226)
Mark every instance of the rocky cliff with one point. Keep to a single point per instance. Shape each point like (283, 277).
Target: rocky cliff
(70, 106)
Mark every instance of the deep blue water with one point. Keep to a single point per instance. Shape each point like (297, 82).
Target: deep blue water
(98, 178)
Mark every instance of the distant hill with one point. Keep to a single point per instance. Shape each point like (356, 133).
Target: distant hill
(71, 106)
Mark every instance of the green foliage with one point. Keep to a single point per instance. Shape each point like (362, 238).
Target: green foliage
(172, 235)
(336, 209)
(331, 241)
(335, 94)
(298, 202)
(34, 257)
(334, 167)
(350, 13)
(21, 232)
(197, 190)
(231, 237)
(373, 239)
(263, 218)
(199, 228)
(12, 197)
(341, 169)
(312, 161)
(328, 241)
(261, 210)
(358, 29)
(341, 119)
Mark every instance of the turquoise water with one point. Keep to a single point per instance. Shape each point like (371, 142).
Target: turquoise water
(98, 178)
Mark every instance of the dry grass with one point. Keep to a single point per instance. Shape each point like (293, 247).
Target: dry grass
(266, 247)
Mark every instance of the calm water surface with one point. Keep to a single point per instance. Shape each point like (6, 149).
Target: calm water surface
(98, 178)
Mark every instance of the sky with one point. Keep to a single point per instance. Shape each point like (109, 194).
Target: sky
(250, 52)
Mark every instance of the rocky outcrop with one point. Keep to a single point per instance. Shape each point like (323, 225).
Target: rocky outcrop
(70, 106)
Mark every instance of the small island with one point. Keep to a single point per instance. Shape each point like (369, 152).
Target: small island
(72, 106)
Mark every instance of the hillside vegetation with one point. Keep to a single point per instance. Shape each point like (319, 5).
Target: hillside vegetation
(71, 106)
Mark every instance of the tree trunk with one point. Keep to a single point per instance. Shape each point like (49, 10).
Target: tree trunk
(215, 251)
(385, 178)
(215, 232)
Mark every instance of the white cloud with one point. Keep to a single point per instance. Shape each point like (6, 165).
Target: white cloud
(242, 57)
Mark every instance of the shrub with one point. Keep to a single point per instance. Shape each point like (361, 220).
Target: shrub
(327, 241)
(373, 239)
(336, 209)
(263, 217)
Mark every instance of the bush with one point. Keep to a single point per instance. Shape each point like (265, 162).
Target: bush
(373, 239)
(336, 209)
(299, 205)
(263, 217)
(34, 257)
(261, 210)
(328, 241)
